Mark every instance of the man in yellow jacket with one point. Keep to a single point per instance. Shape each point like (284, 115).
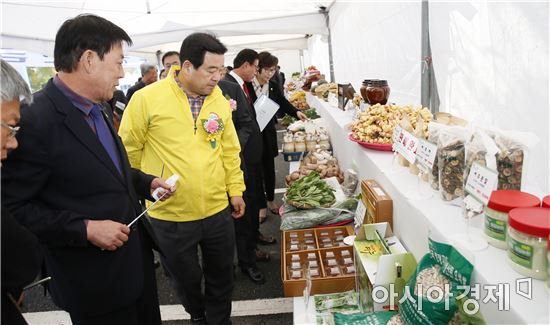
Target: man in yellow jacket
(182, 125)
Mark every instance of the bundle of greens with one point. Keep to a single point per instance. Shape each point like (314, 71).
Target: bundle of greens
(311, 113)
(287, 120)
(310, 192)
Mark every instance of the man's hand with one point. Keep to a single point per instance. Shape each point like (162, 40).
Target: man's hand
(159, 182)
(238, 205)
(301, 116)
(107, 234)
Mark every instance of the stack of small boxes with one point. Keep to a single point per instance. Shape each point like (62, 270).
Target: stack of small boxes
(322, 254)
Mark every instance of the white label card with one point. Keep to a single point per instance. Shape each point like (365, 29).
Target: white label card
(360, 213)
(425, 153)
(396, 134)
(481, 182)
(407, 146)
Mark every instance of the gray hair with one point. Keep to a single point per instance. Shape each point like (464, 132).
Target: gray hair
(12, 85)
(146, 67)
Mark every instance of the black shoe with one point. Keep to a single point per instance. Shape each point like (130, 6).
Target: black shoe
(255, 274)
(198, 320)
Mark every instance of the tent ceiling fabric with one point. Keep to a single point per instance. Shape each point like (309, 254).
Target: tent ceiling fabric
(169, 21)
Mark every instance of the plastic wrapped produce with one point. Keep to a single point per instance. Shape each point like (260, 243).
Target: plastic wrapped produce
(451, 156)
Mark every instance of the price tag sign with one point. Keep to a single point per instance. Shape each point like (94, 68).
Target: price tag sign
(481, 182)
(425, 153)
(408, 144)
(360, 213)
(396, 135)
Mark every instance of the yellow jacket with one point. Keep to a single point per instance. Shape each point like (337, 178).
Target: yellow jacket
(158, 133)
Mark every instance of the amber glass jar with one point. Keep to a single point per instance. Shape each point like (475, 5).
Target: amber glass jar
(377, 92)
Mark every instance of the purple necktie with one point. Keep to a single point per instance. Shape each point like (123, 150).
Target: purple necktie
(105, 136)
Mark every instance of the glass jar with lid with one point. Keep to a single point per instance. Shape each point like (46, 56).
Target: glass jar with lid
(496, 213)
(528, 231)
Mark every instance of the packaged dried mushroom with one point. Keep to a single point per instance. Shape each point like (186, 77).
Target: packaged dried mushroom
(481, 149)
(451, 153)
(510, 159)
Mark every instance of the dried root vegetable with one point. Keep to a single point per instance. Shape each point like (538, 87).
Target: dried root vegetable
(377, 123)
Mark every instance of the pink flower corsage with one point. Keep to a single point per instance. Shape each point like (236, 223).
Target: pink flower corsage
(232, 103)
(213, 127)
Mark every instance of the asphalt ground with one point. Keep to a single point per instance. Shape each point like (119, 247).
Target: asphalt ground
(245, 290)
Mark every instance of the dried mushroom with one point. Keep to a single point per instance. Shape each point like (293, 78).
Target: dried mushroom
(451, 169)
(510, 169)
(473, 156)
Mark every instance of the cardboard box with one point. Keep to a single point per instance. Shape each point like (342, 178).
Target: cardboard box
(377, 254)
(325, 241)
(378, 204)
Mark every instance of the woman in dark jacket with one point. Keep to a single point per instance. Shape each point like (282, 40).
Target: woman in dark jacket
(263, 83)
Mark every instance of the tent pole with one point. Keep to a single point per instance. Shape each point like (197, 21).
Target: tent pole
(325, 12)
(429, 96)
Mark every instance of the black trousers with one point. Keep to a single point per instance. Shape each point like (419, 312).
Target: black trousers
(180, 241)
(247, 228)
(144, 311)
(268, 166)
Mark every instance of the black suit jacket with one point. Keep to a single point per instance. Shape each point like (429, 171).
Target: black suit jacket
(245, 122)
(61, 175)
(271, 148)
(21, 262)
(140, 84)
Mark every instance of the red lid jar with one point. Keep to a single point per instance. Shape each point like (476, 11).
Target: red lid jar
(506, 200)
(527, 241)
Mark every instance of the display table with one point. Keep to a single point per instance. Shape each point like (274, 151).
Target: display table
(415, 218)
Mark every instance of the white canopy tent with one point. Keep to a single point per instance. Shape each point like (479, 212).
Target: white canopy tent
(161, 25)
(489, 58)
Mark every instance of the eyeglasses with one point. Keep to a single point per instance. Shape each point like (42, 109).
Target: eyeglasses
(13, 129)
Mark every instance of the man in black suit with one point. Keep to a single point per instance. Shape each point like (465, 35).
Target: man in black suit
(21, 255)
(70, 183)
(250, 139)
(263, 84)
(245, 66)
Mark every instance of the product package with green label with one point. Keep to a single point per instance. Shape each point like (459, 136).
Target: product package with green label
(383, 265)
(325, 305)
(376, 318)
(437, 290)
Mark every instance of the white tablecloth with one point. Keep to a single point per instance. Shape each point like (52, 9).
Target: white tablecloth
(415, 218)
